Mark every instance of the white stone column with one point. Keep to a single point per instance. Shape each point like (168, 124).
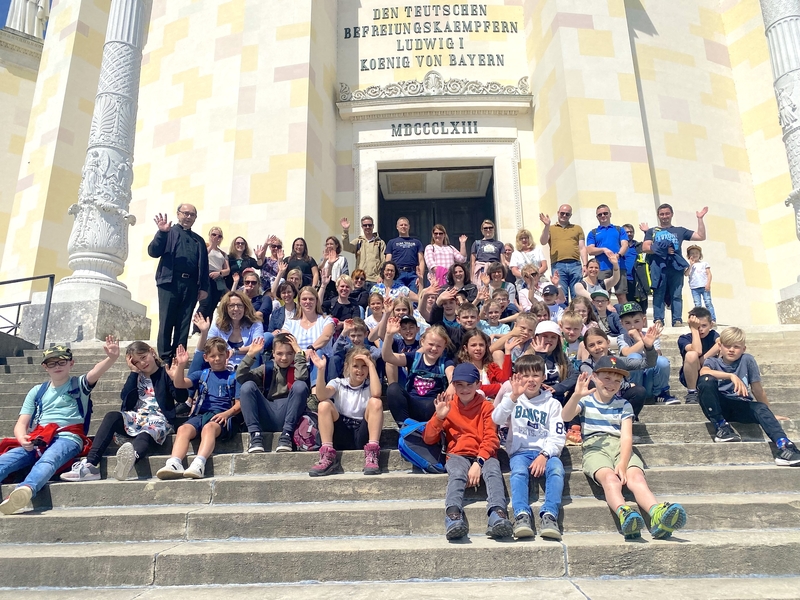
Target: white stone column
(91, 303)
(782, 27)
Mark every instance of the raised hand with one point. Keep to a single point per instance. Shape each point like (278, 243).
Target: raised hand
(512, 343)
(111, 347)
(181, 357)
(463, 239)
(347, 326)
(388, 304)
(162, 223)
(202, 323)
(319, 360)
(392, 326)
(544, 218)
(556, 278)
(613, 259)
(485, 279)
(643, 226)
(652, 334)
(292, 342)
(582, 385)
(702, 212)
(517, 386)
(261, 252)
(280, 255)
(345, 223)
(538, 345)
(256, 346)
(442, 407)
(131, 366)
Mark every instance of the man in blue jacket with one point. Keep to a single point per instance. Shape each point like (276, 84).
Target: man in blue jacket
(181, 277)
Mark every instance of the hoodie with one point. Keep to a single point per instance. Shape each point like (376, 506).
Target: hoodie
(536, 423)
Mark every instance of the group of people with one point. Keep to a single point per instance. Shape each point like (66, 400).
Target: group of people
(490, 354)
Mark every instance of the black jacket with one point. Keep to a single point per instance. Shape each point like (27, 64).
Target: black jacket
(167, 395)
(163, 247)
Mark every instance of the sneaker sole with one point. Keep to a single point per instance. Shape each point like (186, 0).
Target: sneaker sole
(332, 470)
(502, 530)
(550, 534)
(782, 462)
(15, 502)
(126, 457)
(632, 527)
(187, 474)
(90, 477)
(282, 449)
(456, 533)
(673, 518)
(726, 440)
(375, 471)
(167, 475)
(523, 532)
(255, 450)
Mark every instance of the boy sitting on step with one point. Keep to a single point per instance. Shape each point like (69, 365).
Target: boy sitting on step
(50, 430)
(472, 445)
(535, 441)
(608, 458)
(697, 345)
(723, 394)
(213, 409)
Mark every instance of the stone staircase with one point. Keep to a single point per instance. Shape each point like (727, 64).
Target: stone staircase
(260, 519)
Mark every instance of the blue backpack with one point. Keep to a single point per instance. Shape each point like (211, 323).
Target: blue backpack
(202, 389)
(429, 458)
(74, 392)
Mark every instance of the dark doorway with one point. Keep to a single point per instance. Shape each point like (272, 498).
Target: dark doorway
(458, 215)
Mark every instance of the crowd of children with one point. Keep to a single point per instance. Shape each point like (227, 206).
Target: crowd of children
(478, 366)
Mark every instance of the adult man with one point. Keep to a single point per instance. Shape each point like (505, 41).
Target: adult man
(636, 270)
(604, 241)
(369, 249)
(567, 248)
(182, 277)
(663, 245)
(406, 252)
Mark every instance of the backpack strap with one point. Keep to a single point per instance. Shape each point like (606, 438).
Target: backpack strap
(202, 390)
(232, 386)
(37, 405)
(269, 370)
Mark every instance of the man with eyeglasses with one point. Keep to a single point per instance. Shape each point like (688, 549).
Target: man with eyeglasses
(567, 248)
(605, 241)
(368, 249)
(181, 277)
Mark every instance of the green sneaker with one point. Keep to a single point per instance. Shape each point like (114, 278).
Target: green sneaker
(631, 522)
(665, 518)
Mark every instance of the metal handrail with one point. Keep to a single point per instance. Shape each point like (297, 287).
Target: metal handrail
(45, 317)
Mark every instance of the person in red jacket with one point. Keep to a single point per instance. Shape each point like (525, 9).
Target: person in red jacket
(475, 350)
(472, 445)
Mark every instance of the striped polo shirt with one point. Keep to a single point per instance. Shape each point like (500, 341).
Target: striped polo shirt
(597, 417)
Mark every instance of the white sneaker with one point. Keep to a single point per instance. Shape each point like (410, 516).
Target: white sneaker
(196, 470)
(172, 470)
(19, 498)
(126, 457)
(81, 471)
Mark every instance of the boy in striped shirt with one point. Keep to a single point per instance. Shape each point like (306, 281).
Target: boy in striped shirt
(608, 458)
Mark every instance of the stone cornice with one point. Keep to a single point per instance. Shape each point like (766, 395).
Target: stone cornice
(20, 50)
(433, 84)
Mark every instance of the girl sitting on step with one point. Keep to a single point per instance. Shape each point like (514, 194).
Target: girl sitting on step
(146, 418)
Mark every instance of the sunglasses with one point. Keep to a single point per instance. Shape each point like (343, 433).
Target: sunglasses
(251, 283)
(487, 228)
(241, 243)
(219, 235)
(367, 225)
(275, 246)
(359, 279)
(603, 214)
(565, 214)
(438, 233)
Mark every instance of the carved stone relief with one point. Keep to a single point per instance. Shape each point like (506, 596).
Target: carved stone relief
(433, 84)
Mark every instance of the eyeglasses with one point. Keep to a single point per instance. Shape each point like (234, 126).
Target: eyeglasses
(188, 213)
(487, 228)
(603, 214)
(275, 246)
(241, 243)
(565, 214)
(235, 306)
(359, 279)
(56, 363)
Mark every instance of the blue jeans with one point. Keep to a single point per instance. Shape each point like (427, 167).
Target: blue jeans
(408, 279)
(672, 287)
(570, 272)
(520, 480)
(700, 297)
(655, 379)
(56, 455)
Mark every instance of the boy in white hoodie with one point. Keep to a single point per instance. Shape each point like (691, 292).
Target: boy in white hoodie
(535, 441)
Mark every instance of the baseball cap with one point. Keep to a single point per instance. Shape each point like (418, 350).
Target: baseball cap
(407, 319)
(630, 308)
(56, 352)
(549, 289)
(598, 293)
(547, 327)
(466, 372)
(608, 364)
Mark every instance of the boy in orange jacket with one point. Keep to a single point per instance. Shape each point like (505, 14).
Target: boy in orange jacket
(472, 445)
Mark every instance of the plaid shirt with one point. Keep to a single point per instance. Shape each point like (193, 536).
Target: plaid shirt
(442, 256)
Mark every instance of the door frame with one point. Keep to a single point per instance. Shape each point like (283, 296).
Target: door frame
(501, 153)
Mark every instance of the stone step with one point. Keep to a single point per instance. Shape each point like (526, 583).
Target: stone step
(782, 401)
(396, 485)
(396, 558)
(370, 518)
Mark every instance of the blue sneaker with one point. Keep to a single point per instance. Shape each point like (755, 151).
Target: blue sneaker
(499, 526)
(631, 522)
(666, 398)
(455, 524)
(665, 518)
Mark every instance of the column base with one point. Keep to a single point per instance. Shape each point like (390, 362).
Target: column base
(789, 306)
(81, 313)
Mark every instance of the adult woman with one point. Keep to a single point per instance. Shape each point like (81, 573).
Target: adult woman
(484, 251)
(340, 307)
(526, 254)
(309, 326)
(237, 324)
(440, 255)
(505, 260)
(295, 277)
(495, 279)
(287, 293)
(239, 259)
(458, 278)
(251, 286)
(360, 294)
(389, 286)
(218, 270)
(272, 263)
(331, 268)
(299, 259)
(590, 283)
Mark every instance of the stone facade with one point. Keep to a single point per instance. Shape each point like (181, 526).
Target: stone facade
(275, 117)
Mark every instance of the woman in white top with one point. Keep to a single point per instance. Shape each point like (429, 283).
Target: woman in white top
(237, 324)
(218, 269)
(333, 266)
(309, 326)
(526, 254)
